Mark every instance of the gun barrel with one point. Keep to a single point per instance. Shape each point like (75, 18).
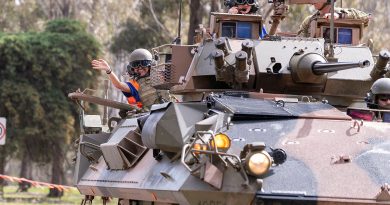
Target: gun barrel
(101, 101)
(322, 68)
(380, 67)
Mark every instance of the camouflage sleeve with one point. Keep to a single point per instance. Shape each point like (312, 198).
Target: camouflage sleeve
(304, 28)
(352, 13)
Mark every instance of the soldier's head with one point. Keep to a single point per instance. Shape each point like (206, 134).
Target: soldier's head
(321, 5)
(380, 94)
(140, 63)
(243, 6)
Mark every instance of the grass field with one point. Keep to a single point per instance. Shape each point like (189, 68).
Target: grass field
(38, 195)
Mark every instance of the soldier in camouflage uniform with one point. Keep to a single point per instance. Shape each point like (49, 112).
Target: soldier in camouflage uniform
(138, 90)
(244, 7)
(324, 9)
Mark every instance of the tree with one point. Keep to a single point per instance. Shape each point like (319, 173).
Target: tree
(42, 119)
(23, 16)
(215, 5)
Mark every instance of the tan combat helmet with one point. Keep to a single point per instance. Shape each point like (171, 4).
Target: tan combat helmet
(139, 57)
(140, 54)
(380, 87)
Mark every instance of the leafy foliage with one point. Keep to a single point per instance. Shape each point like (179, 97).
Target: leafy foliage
(134, 36)
(37, 71)
(65, 26)
(23, 16)
(152, 31)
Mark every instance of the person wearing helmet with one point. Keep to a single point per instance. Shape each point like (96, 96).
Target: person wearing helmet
(241, 6)
(244, 7)
(379, 95)
(323, 8)
(138, 90)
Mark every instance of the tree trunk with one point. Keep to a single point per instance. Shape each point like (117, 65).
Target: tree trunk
(57, 173)
(196, 12)
(25, 171)
(215, 7)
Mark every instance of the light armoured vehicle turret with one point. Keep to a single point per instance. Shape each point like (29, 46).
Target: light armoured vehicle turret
(277, 120)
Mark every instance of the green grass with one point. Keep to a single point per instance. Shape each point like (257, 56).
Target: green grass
(38, 195)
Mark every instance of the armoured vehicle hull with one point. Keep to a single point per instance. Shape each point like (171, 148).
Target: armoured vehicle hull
(331, 158)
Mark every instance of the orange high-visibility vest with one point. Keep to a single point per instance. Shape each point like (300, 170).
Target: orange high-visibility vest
(133, 97)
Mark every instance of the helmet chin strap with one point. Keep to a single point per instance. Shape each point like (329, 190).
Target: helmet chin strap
(133, 74)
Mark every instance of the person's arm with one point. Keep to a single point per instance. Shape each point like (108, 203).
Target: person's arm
(101, 64)
(355, 14)
(233, 10)
(336, 16)
(304, 28)
(349, 14)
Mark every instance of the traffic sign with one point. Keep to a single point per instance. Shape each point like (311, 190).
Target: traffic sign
(2, 130)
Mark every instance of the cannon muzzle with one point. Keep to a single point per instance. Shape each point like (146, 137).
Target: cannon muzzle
(322, 68)
(312, 67)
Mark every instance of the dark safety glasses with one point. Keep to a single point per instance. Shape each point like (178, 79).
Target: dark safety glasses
(384, 98)
(241, 2)
(141, 63)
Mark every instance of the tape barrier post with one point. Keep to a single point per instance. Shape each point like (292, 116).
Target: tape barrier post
(35, 183)
(2, 130)
(2, 142)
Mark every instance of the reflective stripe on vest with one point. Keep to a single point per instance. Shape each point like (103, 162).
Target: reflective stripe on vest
(133, 97)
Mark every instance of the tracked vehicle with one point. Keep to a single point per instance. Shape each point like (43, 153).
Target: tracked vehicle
(258, 121)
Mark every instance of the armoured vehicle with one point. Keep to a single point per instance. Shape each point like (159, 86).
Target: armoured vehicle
(278, 120)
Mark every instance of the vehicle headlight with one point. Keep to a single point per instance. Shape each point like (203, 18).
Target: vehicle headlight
(258, 163)
(222, 142)
(200, 147)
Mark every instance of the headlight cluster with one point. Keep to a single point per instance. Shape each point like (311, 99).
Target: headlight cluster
(254, 160)
(257, 161)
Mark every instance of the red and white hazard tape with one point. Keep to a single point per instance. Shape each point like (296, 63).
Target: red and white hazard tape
(35, 183)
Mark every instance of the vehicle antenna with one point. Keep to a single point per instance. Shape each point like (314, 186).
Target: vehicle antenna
(331, 54)
(178, 38)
